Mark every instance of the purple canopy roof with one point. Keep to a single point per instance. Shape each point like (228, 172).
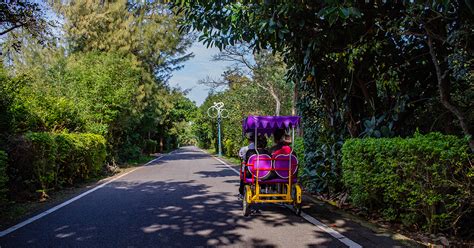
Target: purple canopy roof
(268, 124)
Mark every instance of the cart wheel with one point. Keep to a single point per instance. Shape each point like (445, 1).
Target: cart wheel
(246, 200)
(296, 196)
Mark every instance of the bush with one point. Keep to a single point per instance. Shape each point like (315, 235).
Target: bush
(230, 148)
(43, 155)
(42, 161)
(150, 146)
(79, 156)
(423, 182)
(298, 147)
(3, 178)
(129, 152)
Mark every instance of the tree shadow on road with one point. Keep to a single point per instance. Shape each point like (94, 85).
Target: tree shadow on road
(157, 214)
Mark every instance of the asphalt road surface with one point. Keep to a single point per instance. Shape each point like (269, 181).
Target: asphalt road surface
(185, 199)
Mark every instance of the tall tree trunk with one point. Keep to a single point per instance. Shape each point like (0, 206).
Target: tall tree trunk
(270, 90)
(277, 101)
(444, 94)
(161, 144)
(295, 98)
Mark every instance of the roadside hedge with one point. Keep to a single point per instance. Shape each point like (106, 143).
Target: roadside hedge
(79, 156)
(44, 161)
(3, 178)
(424, 182)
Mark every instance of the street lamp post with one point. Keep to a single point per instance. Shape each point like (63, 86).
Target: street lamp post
(218, 111)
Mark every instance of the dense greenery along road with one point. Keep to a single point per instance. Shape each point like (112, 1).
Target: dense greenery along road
(384, 91)
(184, 199)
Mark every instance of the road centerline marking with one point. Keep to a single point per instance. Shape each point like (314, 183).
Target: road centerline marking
(61, 205)
(307, 217)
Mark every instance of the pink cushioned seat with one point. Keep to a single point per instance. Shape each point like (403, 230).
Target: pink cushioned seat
(263, 163)
(282, 165)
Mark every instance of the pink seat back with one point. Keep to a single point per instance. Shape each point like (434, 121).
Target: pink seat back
(282, 165)
(263, 163)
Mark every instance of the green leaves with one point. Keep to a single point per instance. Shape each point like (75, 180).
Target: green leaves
(333, 13)
(404, 179)
(45, 161)
(244, 96)
(148, 30)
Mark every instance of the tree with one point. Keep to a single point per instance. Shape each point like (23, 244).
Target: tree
(447, 31)
(241, 97)
(146, 29)
(266, 69)
(356, 71)
(23, 14)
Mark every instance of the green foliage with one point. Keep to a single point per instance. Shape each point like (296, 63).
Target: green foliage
(100, 93)
(26, 15)
(244, 95)
(6, 98)
(43, 150)
(3, 178)
(231, 148)
(146, 29)
(202, 129)
(44, 161)
(425, 181)
(176, 125)
(360, 69)
(97, 92)
(109, 78)
(150, 146)
(79, 156)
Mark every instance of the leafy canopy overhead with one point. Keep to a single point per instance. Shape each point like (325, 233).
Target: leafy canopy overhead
(360, 68)
(23, 15)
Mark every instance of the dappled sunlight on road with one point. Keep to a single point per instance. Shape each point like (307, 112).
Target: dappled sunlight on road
(186, 199)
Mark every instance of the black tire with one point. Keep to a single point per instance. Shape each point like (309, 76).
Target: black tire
(296, 206)
(245, 204)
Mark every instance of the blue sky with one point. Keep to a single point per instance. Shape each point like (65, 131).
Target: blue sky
(197, 68)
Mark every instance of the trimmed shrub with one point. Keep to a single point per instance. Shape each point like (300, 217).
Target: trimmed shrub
(424, 182)
(42, 161)
(3, 178)
(79, 156)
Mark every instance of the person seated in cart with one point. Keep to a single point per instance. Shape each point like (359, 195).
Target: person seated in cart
(249, 151)
(282, 143)
(243, 150)
(261, 147)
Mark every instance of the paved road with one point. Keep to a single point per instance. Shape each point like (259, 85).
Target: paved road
(185, 199)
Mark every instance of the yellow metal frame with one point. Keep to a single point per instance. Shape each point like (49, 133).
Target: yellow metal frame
(256, 196)
(253, 194)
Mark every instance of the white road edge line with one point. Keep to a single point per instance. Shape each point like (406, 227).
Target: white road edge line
(153, 160)
(331, 231)
(228, 166)
(310, 218)
(43, 214)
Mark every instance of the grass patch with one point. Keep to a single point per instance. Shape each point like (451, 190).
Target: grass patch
(141, 160)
